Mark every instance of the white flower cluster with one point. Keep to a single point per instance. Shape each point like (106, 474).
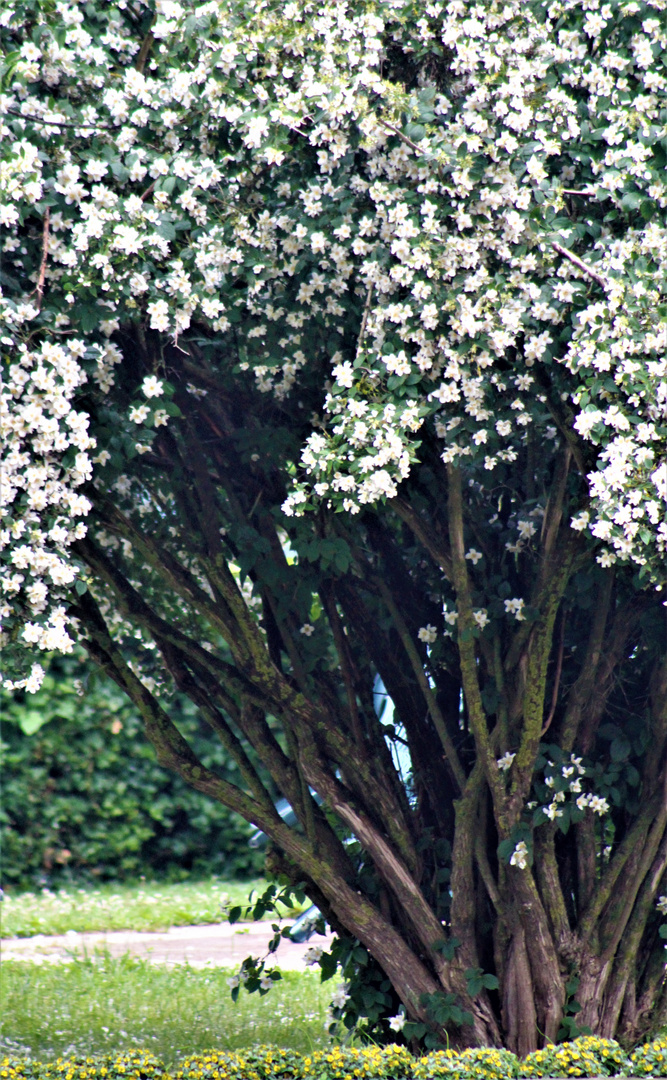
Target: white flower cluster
(380, 457)
(566, 780)
(443, 234)
(519, 856)
(340, 996)
(46, 459)
(312, 955)
(435, 236)
(397, 1023)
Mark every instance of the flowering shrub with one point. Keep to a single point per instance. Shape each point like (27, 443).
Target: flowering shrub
(216, 1065)
(439, 1063)
(586, 1056)
(334, 348)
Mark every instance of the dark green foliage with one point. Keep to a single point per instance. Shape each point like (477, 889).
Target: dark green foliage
(84, 796)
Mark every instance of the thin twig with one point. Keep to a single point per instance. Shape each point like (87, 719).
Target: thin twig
(329, 603)
(144, 51)
(581, 265)
(45, 253)
(559, 669)
(364, 320)
(58, 123)
(404, 138)
(569, 191)
(148, 191)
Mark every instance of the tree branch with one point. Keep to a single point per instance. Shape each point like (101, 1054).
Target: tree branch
(432, 541)
(576, 261)
(557, 675)
(45, 254)
(466, 644)
(340, 642)
(146, 47)
(633, 841)
(580, 693)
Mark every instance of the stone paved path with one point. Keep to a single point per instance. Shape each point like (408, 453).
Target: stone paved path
(219, 945)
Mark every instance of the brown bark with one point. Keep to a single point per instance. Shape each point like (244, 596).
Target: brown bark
(519, 1013)
(308, 722)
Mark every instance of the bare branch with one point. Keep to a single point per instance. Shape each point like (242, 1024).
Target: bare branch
(45, 254)
(402, 137)
(435, 544)
(466, 642)
(59, 123)
(576, 261)
(559, 669)
(364, 320)
(342, 648)
(146, 47)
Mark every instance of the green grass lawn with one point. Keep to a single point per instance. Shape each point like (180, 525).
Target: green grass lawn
(101, 1004)
(140, 906)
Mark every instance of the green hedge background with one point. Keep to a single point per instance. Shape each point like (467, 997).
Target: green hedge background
(83, 797)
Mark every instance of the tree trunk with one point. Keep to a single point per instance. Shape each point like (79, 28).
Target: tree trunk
(460, 878)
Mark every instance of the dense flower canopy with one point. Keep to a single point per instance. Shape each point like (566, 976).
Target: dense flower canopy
(479, 252)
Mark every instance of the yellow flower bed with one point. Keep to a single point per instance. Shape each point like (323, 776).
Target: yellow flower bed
(129, 1065)
(650, 1059)
(587, 1056)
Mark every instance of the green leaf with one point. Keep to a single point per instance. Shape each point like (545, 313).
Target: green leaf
(620, 749)
(631, 200)
(446, 948)
(416, 132)
(166, 230)
(506, 847)
(412, 1030)
(31, 720)
(88, 317)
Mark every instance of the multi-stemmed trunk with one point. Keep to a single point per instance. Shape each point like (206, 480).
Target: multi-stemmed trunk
(447, 902)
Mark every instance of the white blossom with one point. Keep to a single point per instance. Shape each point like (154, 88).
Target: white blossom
(152, 386)
(312, 955)
(397, 1023)
(519, 856)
